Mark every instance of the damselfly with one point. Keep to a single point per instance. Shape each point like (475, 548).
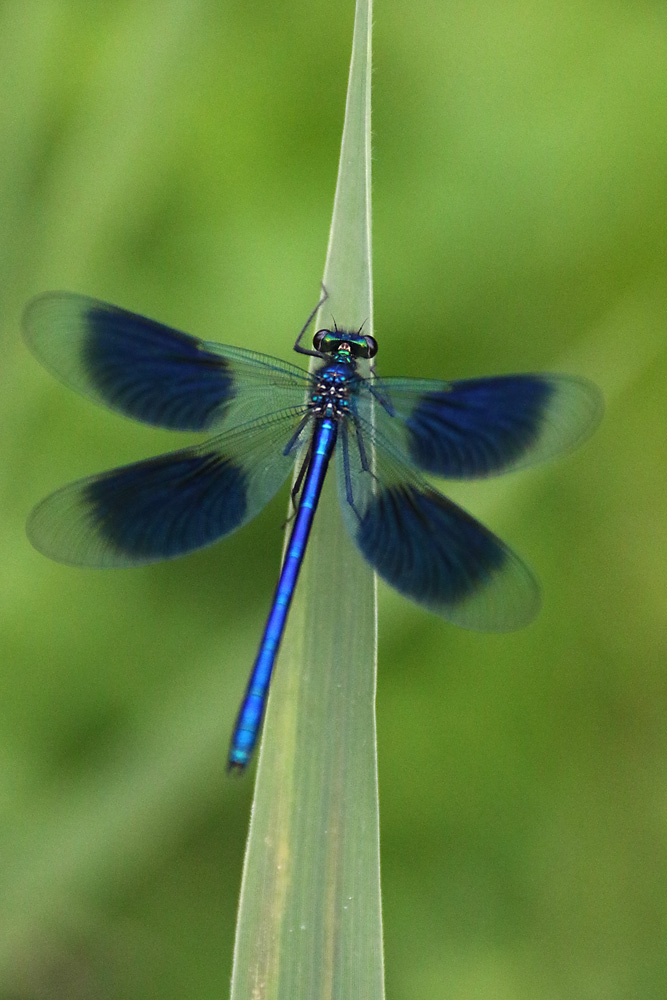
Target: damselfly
(263, 415)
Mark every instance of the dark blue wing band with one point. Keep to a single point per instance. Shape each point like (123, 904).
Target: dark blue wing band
(167, 506)
(154, 373)
(478, 426)
(426, 547)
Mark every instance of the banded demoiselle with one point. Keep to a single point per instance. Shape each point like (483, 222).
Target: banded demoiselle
(264, 414)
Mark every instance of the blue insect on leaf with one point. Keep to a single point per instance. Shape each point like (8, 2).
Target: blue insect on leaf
(261, 414)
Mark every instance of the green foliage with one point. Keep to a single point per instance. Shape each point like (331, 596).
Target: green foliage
(311, 879)
(179, 159)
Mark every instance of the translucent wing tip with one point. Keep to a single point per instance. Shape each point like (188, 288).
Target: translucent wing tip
(40, 310)
(507, 601)
(575, 410)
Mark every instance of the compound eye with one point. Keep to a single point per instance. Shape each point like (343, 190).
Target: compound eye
(371, 347)
(325, 342)
(318, 339)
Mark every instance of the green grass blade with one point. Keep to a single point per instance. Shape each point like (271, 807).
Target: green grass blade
(309, 921)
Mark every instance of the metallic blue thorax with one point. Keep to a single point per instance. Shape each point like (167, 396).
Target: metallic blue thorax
(331, 395)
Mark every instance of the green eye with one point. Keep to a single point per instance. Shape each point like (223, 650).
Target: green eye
(325, 341)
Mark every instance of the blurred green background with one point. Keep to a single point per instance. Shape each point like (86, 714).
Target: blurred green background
(179, 159)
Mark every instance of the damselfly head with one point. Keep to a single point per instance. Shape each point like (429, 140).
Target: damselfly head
(356, 344)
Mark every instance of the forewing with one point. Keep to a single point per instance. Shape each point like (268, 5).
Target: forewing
(429, 549)
(166, 506)
(485, 426)
(152, 373)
